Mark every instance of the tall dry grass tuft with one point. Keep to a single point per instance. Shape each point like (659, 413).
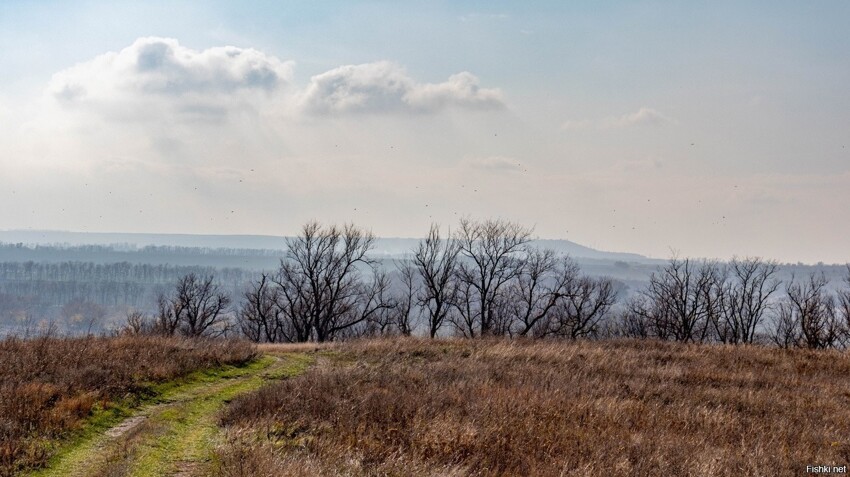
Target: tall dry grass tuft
(410, 407)
(49, 385)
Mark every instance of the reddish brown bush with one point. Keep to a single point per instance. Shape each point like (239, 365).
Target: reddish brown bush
(48, 385)
(546, 409)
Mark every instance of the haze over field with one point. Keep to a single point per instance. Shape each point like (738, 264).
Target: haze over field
(715, 129)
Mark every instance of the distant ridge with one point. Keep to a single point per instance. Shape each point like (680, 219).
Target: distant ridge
(58, 237)
(383, 246)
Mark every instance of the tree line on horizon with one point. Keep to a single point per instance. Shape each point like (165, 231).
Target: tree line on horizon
(78, 297)
(486, 280)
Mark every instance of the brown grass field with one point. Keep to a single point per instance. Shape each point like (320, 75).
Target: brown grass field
(475, 408)
(48, 386)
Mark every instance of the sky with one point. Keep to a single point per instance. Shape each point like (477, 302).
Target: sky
(710, 129)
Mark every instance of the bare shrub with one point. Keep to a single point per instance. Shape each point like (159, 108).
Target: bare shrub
(137, 323)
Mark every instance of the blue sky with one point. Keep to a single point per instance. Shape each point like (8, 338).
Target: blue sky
(711, 128)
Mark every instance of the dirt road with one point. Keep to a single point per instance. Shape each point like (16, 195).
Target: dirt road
(175, 436)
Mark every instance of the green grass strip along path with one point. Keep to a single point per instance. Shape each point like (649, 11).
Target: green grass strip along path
(175, 434)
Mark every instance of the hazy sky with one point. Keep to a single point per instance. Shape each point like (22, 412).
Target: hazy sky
(712, 128)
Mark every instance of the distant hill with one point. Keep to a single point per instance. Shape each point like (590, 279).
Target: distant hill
(55, 237)
(383, 246)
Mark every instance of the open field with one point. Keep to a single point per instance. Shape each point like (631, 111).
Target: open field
(53, 389)
(413, 407)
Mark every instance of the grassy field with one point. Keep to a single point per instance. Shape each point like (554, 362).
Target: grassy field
(469, 408)
(54, 392)
(408, 407)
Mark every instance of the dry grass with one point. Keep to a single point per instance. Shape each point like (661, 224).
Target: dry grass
(49, 385)
(283, 348)
(412, 407)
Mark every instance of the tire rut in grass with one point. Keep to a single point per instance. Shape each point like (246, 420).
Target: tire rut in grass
(175, 437)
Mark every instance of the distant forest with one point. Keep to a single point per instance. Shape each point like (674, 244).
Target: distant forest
(82, 288)
(88, 296)
(220, 257)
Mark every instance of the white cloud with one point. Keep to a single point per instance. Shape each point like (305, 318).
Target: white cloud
(385, 87)
(161, 105)
(157, 73)
(642, 117)
(158, 76)
(161, 136)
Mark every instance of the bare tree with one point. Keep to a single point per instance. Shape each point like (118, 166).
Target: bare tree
(260, 315)
(384, 305)
(196, 307)
(628, 323)
(745, 299)
(137, 323)
(584, 305)
(844, 306)
(543, 282)
(294, 302)
(679, 301)
(168, 316)
(322, 285)
(807, 316)
(644, 317)
(405, 300)
(396, 314)
(436, 261)
(494, 253)
(464, 316)
(785, 332)
(503, 321)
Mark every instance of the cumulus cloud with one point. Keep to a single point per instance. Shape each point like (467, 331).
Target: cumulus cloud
(385, 87)
(156, 76)
(159, 72)
(160, 104)
(642, 117)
